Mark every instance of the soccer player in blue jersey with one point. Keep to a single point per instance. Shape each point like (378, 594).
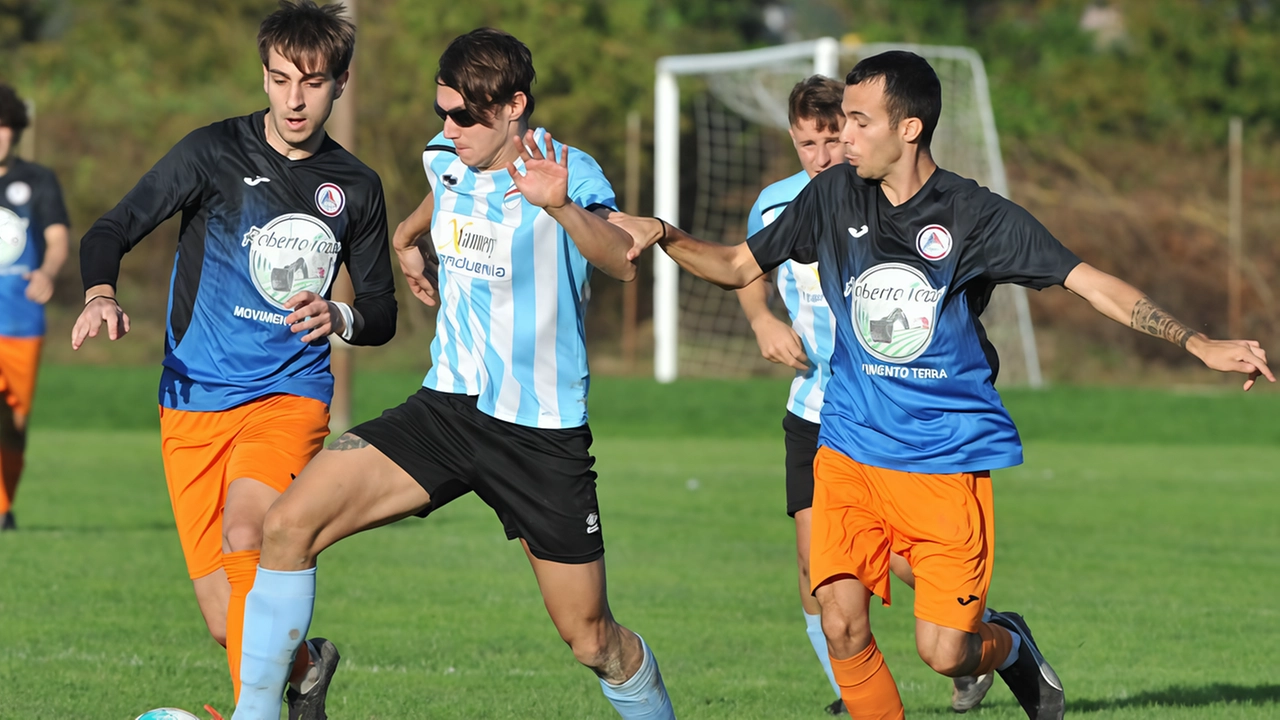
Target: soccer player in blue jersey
(815, 120)
(33, 246)
(271, 206)
(517, 223)
(911, 423)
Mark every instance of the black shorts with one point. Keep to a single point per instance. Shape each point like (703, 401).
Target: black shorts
(538, 481)
(802, 446)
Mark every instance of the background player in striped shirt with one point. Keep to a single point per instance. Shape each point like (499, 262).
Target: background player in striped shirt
(516, 225)
(912, 423)
(271, 207)
(815, 119)
(33, 246)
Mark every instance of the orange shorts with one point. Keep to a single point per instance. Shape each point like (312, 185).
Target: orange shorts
(269, 440)
(19, 360)
(944, 525)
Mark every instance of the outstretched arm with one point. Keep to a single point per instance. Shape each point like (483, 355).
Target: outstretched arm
(778, 342)
(545, 183)
(729, 266)
(1125, 304)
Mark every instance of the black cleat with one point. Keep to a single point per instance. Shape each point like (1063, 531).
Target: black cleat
(968, 692)
(309, 705)
(1032, 681)
(7, 522)
(835, 708)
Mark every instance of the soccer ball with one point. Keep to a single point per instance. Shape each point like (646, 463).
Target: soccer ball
(167, 714)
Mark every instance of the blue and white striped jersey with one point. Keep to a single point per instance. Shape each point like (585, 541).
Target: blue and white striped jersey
(802, 293)
(513, 291)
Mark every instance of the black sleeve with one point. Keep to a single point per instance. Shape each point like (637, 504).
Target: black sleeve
(793, 235)
(1018, 249)
(368, 259)
(177, 182)
(49, 207)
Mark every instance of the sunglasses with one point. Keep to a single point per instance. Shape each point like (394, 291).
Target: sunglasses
(461, 117)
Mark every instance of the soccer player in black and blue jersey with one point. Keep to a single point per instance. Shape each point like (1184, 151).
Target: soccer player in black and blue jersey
(271, 206)
(912, 424)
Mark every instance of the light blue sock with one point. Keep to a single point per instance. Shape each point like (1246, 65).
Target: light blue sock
(813, 628)
(643, 696)
(277, 615)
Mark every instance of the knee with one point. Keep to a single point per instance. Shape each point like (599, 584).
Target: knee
(845, 634)
(239, 535)
(590, 644)
(946, 656)
(289, 532)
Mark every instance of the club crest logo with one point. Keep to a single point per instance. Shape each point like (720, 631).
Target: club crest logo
(13, 237)
(894, 310)
(330, 199)
(290, 254)
(18, 193)
(933, 242)
(512, 198)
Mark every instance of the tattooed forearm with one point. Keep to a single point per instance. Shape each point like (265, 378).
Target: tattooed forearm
(1150, 319)
(348, 442)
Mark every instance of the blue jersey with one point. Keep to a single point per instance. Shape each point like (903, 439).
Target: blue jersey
(30, 203)
(513, 291)
(257, 228)
(913, 375)
(801, 291)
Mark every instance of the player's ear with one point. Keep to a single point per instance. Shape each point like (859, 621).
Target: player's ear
(910, 128)
(340, 84)
(518, 103)
(266, 79)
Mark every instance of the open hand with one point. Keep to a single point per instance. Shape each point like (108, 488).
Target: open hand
(1242, 356)
(96, 312)
(545, 182)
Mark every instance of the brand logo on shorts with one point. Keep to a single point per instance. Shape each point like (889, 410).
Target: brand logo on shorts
(933, 242)
(330, 199)
(18, 193)
(593, 523)
(972, 599)
(290, 254)
(13, 236)
(894, 310)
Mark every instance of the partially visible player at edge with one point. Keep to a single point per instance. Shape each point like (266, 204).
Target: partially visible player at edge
(517, 224)
(271, 206)
(815, 122)
(33, 247)
(912, 424)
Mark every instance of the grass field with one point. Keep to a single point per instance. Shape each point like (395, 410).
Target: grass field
(1140, 539)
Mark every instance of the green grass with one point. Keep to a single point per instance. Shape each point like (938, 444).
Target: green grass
(1139, 538)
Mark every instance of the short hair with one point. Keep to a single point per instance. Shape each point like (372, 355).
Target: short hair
(911, 88)
(13, 112)
(488, 67)
(312, 37)
(816, 98)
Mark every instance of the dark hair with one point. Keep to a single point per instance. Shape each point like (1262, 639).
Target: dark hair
(488, 67)
(314, 38)
(911, 88)
(816, 98)
(13, 112)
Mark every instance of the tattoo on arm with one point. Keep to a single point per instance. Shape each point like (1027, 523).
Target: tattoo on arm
(348, 442)
(1149, 318)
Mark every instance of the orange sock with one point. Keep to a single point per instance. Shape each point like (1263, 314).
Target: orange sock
(11, 462)
(242, 568)
(996, 644)
(867, 686)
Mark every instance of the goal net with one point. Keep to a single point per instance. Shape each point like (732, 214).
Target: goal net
(736, 104)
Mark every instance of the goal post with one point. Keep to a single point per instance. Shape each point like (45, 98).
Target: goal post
(739, 103)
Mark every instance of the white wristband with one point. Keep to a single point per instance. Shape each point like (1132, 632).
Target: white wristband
(348, 321)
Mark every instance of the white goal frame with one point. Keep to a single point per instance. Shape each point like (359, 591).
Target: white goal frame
(825, 53)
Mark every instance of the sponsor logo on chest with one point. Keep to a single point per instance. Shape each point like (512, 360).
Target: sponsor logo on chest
(894, 311)
(473, 247)
(13, 236)
(290, 254)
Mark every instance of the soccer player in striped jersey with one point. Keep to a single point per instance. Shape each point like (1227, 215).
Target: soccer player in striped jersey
(271, 206)
(516, 224)
(815, 119)
(912, 423)
(33, 246)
